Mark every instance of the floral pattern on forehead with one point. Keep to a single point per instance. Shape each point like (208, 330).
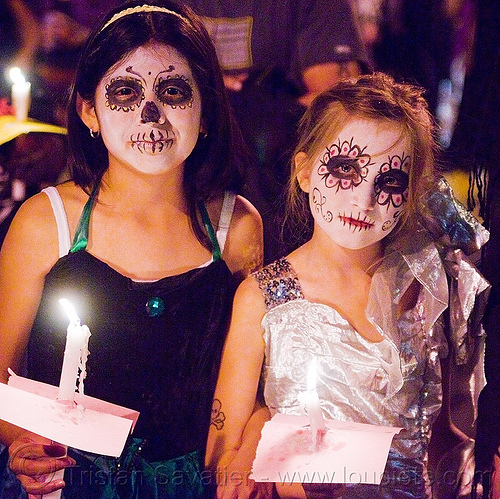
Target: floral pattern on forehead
(344, 165)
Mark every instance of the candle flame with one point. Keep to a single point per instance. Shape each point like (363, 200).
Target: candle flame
(16, 75)
(70, 311)
(312, 375)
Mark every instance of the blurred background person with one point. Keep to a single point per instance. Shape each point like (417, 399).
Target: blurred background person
(65, 24)
(475, 149)
(428, 43)
(30, 161)
(19, 39)
(276, 56)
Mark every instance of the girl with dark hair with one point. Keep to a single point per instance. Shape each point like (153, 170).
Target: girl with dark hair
(159, 240)
(364, 297)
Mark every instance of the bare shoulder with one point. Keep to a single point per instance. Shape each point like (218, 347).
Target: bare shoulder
(34, 218)
(73, 197)
(29, 251)
(34, 230)
(243, 251)
(248, 310)
(249, 290)
(33, 233)
(246, 219)
(245, 242)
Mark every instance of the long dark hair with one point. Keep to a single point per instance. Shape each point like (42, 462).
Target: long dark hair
(215, 164)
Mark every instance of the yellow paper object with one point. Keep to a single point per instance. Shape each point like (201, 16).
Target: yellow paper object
(10, 128)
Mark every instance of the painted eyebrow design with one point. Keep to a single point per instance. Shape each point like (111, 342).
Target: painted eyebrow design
(129, 69)
(180, 74)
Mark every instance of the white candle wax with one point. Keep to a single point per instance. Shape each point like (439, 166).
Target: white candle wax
(316, 421)
(18, 190)
(20, 94)
(77, 337)
(21, 99)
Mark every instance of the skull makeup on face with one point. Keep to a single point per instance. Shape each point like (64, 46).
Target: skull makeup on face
(149, 110)
(358, 186)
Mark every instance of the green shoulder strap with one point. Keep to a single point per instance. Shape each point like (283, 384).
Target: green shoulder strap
(81, 238)
(216, 253)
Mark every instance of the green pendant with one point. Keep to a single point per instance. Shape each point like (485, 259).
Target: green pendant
(155, 307)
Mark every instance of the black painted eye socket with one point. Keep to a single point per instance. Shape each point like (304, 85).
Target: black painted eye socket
(124, 93)
(393, 181)
(344, 168)
(175, 91)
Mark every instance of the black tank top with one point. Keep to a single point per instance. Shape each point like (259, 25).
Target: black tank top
(155, 347)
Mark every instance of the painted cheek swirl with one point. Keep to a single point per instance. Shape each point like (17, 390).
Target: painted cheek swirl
(391, 183)
(344, 165)
(319, 201)
(124, 93)
(388, 224)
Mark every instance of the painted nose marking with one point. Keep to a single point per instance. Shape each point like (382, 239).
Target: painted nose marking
(150, 113)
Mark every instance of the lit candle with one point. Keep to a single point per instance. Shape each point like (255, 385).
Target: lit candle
(20, 94)
(316, 421)
(75, 354)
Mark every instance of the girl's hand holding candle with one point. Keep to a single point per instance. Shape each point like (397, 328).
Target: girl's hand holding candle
(75, 356)
(73, 368)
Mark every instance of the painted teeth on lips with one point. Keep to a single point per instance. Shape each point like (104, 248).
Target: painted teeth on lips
(152, 143)
(359, 223)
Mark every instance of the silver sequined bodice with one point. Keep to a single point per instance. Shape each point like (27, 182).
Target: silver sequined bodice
(396, 382)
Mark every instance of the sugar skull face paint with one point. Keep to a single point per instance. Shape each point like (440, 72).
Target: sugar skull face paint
(149, 109)
(344, 165)
(127, 93)
(391, 183)
(358, 186)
